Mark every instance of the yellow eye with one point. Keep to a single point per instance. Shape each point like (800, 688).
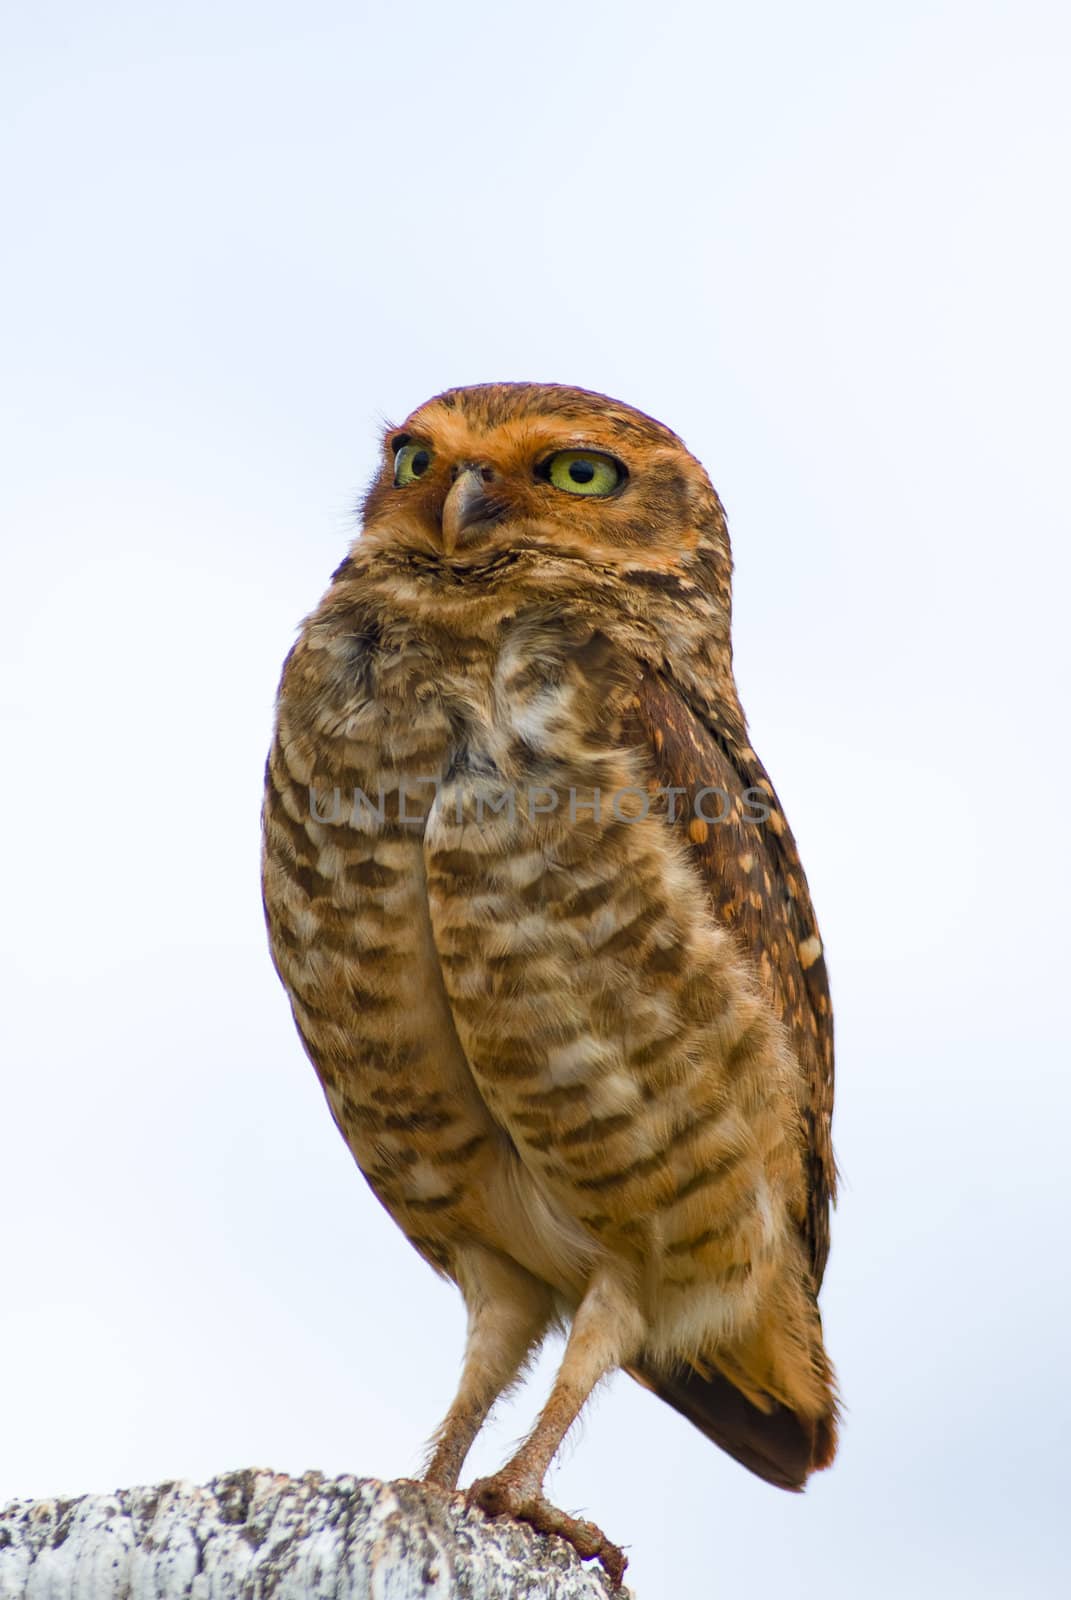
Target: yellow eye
(410, 463)
(584, 472)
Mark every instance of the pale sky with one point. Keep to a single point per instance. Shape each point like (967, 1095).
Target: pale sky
(828, 244)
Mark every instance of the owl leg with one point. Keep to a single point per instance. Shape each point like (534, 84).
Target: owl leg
(607, 1331)
(509, 1312)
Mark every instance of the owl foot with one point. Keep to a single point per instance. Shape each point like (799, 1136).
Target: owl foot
(499, 1497)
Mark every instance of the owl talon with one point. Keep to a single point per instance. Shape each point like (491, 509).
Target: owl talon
(498, 1497)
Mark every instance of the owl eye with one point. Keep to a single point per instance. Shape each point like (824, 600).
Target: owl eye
(583, 472)
(410, 462)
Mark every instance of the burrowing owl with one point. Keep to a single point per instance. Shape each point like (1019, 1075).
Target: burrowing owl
(546, 935)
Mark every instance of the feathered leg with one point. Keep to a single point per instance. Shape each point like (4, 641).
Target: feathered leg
(509, 1312)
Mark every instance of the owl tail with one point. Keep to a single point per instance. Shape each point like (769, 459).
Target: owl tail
(769, 1399)
(776, 1443)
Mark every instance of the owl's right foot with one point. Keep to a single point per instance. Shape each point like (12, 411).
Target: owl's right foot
(499, 1496)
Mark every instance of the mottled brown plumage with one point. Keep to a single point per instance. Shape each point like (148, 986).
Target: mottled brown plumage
(568, 1004)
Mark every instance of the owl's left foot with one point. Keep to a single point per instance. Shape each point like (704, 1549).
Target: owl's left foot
(499, 1496)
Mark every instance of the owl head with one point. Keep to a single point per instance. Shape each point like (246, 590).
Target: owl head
(549, 471)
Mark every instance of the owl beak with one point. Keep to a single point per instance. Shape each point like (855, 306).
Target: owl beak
(466, 504)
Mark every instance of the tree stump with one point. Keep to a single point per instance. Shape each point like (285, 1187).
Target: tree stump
(257, 1535)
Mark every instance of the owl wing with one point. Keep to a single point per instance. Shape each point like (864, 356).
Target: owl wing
(759, 893)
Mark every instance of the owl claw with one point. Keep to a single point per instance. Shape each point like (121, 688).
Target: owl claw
(498, 1497)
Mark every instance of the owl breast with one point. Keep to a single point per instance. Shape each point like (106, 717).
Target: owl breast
(527, 1024)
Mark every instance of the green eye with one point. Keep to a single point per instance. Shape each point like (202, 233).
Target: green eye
(584, 472)
(411, 463)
